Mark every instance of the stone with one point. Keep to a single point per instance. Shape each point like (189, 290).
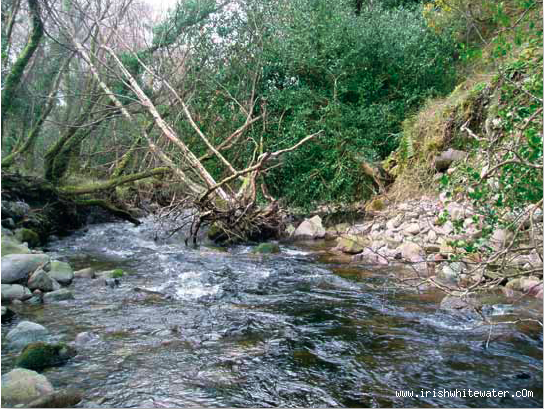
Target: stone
(351, 244)
(61, 272)
(500, 238)
(22, 386)
(84, 338)
(25, 333)
(58, 295)
(40, 280)
(360, 229)
(13, 292)
(17, 267)
(431, 248)
(61, 399)
(85, 273)
(411, 252)
(443, 161)
(431, 236)
(412, 228)
(29, 236)
(267, 248)
(457, 211)
(451, 272)
(455, 303)
(40, 355)
(7, 314)
(446, 249)
(372, 257)
(310, 229)
(12, 246)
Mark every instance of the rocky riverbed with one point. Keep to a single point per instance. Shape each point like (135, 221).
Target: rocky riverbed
(323, 318)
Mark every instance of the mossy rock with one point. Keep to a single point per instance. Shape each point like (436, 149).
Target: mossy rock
(29, 236)
(376, 205)
(10, 245)
(267, 248)
(117, 273)
(39, 355)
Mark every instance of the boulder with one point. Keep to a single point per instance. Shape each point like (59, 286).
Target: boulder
(39, 355)
(411, 252)
(25, 333)
(58, 295)
(267, 248)
(61, 272)
(17, 267)
(431, 236)
(10, 245)
(310, 229)
(351, 244)
(445, 159)
(40, 280)
(22, 386)
(11, 292)
(85, 273)
(394, 222)
(412, 228)
(29, 236)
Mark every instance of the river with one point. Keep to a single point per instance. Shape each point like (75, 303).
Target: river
(290, 329)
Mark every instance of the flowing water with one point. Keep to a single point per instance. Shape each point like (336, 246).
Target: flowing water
(238, 329)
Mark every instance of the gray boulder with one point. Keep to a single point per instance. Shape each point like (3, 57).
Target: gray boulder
(61, 272)
(445, 159)
(310, 229)
(58, 295)
(11, 292)
(22, 386)
(17, 267)
(25, 333)
(40, 280)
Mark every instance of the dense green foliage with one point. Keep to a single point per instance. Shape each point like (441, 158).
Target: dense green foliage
(319, 66)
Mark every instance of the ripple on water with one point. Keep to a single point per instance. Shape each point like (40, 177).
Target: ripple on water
(236, 329)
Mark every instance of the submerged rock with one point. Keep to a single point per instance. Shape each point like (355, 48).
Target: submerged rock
(17, 267)
(351, 244)
(25, 333)
(61, 399)
(39, 355)
(22, 386)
